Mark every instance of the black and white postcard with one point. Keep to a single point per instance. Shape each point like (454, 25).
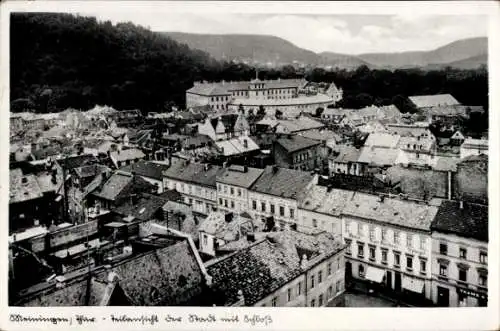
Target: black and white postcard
(204, 165)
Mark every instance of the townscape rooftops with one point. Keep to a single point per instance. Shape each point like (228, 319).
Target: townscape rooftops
(303, 123)
(73, 162)
(239, 176)
(282, 182)
(470, 221)
(348, 154)
(421, 101)
(444, 163)
(300, 100)
(91, 170)
(320, 135)
(294, 143)
(378, 156)
(23, 187)
(217, 225)
(475, 143)
(226, 88)
(146, 169)
(319, 199)
(420, 144)
(392, 211)
(118, 183)
(448, 110)
(143, 209)
(197, 173)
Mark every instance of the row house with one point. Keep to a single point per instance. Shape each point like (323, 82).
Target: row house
(233, 185)
(149, 171)
(389, 244)
(196, 182)
(297, 152)
(416, 150)
(289, 269)
(460, 255)
(276, 192)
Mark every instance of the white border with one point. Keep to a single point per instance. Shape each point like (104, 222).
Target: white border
(283, 318)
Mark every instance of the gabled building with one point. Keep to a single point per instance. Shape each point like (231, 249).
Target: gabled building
(460, 255)
(149, 171)
(437, 100)
(276, 192)
(297, 152)
(225, 126)
(124, 157)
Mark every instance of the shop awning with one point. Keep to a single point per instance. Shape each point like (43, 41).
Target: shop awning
(413, 284)
(375, 274)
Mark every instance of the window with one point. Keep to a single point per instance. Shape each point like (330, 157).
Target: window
(396, 237)
(205, 238)
(320, 276)
(315, 222)
(372, 233)
(232, 190)
(225, 189)
(443, 249)
(384, 235)
(361, 250)
(423, 266)
(483, 257)
(348, 227)
(463, 253)
(289, 295)
(272, 209)
(462, 274)
(443, 270)
(220, 201)
(282, 211)
(225, 203)
(329, 269)
(312, 281)
(232, 204)
(372, 253)
(320, 300)
(313, 303)
(483, 280)
(299, 288)
(423, 242)
(409, 263)
(274, 301)
(338, 286)
(239, 192)
(409, 239)
(348, 248)
(361, 271)
(397, 260)
(360, 229)
(254, 205)
(292, 212)
(384, 256)
(263, 206)
(462, 300)
(330, 291)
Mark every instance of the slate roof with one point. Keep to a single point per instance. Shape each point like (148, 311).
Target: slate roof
(471, 221)
(347, 154)
(265, 266)
(197, 173)
(146, 169)
(282, 182)
(318, 199)
(294, 143)
(391, 211)
(421, 101)
(236, 175)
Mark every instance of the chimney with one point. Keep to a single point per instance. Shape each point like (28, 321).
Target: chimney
(329, 188)
(275, 169)
(303, 262)
(245, 169)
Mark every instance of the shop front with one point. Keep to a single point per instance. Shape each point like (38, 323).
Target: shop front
(471, 298)
(375, 277)
(413, 290)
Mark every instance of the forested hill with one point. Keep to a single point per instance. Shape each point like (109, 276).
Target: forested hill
(62, 60)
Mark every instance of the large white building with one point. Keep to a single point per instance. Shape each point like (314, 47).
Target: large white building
(283, 94)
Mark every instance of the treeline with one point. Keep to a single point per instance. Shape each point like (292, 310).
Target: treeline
(61, 60)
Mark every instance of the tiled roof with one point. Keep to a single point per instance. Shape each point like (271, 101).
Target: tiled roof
(91, 170)
(217, 225)
(282, 182)
(265, 266)
(392, 211)
(320, 200)
(146, 169)
(127, 154)
(120, 183)
(236, 146)
(347, 154)
(422, 101)
(382, 140)
(144, 209)
(378, 156)
(444, 163)
(23, 188)
(77, 161)
(239, 176)
(321, 135)
(197, 173)
(471, 221)
(293, 143)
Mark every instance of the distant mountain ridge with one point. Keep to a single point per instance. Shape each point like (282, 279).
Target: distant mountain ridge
(266, 49)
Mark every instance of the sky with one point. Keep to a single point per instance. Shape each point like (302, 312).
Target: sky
(351, 34)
